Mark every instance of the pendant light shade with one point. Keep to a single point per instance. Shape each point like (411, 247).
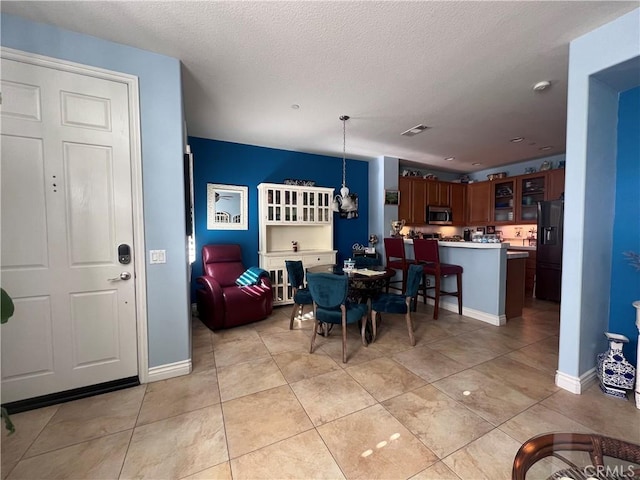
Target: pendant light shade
(344, 202)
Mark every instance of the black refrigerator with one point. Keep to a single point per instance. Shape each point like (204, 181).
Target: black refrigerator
(549, 250)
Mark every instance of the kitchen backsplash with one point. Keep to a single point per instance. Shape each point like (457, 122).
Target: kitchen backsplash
(509, 232)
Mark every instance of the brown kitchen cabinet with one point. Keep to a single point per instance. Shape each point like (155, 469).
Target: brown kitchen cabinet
(515, 291)
(479, 203)
(530, 274)
(404, 206)
(555, 184)
(457, 202)
(412, 208)
(530, 269)
(438, 193)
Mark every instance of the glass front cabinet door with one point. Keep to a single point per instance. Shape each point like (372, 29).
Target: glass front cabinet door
(503, 201)
(531, 192)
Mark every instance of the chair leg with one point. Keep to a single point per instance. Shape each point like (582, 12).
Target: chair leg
(437, 299)
(344, 338)
(459, 293)
(296, 309)
(412, 339)
(424, 288)
(363, 321)
(374, 327)
(404, 280)
(315, 329)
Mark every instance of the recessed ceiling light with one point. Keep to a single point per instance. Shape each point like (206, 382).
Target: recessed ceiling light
(448, 159)
(540, 86)
(295, 106)
(475, 164)
(414, 130)
(547, 147)
(516, 139)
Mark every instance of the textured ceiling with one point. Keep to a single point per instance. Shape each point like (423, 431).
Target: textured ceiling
(465, 69)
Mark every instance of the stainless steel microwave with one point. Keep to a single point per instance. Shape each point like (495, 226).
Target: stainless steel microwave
(439, 215)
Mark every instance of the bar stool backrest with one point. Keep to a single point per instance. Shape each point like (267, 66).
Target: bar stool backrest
(426, 251)
(394, 249)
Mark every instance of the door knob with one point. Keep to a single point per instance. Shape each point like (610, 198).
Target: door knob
(122, 276)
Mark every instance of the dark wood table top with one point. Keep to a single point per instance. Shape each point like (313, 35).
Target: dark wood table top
(384, 272)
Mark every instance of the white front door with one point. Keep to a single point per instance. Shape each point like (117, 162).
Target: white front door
(66, 207)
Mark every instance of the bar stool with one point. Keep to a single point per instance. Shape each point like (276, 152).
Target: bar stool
(427, 253)
(396, 259)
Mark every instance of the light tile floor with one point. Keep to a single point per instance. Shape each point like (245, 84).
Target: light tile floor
(258, 405)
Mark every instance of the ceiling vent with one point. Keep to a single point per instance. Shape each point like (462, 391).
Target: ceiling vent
(415, 130)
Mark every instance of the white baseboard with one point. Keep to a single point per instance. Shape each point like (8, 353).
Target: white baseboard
(496, 320)
(169, 370)
(576, 385)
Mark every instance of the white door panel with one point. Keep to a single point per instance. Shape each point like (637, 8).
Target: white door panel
(90, 204)
(23, 204)
(28, 337)
(66, 206)
(21, 101)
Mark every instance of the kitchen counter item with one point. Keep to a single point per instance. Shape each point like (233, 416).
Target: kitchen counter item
(495, 176)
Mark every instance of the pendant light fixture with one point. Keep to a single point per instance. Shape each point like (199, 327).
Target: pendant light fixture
(344, 202)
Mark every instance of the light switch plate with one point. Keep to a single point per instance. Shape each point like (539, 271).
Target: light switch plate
(157, 256)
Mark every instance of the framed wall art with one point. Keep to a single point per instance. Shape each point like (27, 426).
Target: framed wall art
(227, 207)
(391, 197)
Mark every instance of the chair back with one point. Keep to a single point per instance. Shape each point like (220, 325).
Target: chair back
(426, 251)
(363, 262)
(223, 262)
(328, 290)
(413, 280)
(394, 249)
(295, 272)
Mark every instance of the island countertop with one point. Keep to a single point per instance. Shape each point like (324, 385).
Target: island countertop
(409, 241)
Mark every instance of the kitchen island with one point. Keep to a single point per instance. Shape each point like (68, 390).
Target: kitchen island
(484, 279)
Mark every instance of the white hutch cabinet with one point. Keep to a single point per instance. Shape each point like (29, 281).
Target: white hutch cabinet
(291, 213)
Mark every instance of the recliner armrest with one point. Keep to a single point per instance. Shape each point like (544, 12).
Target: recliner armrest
(265, 282)
(211, 285)
(211, 301)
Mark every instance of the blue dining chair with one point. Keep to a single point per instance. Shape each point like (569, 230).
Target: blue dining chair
(400, 304)
(301, 294)
(330, 305)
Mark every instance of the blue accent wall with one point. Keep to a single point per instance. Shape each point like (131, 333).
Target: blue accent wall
(238, 164)
(625, 281)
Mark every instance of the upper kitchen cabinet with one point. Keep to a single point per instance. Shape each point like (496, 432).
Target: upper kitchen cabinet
(413, 197)
(417, 193)
(504, 200)
(438, 193)
(555, 184)
(457, 203)
(532, 189)
(479, 203)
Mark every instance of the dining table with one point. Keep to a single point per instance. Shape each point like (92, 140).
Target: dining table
(364, 284)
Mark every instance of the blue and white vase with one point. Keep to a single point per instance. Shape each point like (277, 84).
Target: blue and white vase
(615, 373)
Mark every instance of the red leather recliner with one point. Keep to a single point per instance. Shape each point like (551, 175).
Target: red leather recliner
(222, 303)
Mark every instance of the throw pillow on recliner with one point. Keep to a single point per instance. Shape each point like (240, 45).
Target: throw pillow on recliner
(251, 276)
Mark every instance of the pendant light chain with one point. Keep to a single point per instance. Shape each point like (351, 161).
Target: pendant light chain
(344, 119)
(344, 152)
